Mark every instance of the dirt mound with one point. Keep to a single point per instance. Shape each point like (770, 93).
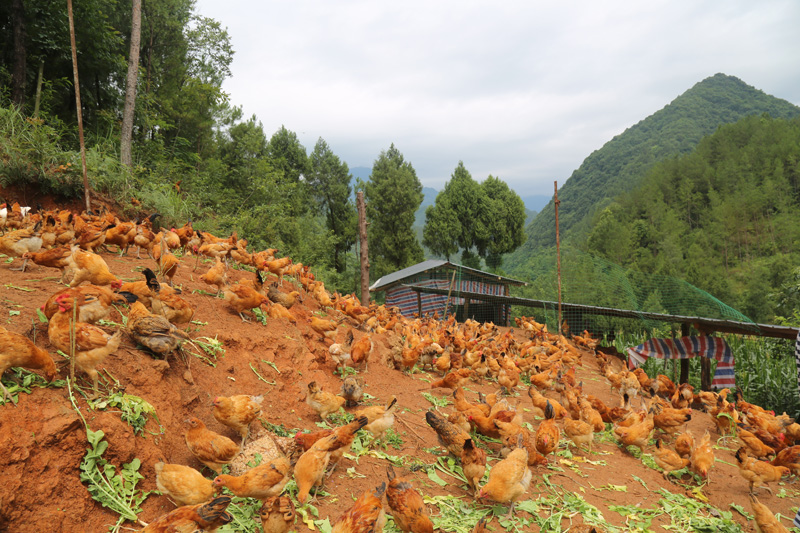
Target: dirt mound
(44, 440)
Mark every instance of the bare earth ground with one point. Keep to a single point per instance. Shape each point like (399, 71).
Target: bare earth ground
(43, 439)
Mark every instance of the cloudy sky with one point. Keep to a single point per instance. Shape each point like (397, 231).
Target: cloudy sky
(521, 90)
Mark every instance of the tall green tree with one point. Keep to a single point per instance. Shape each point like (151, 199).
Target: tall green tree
(502, 229)
(289, 157)
(329, 181)
(393, 195)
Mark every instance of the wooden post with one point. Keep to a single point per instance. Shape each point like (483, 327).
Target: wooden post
(684, 362)
(419, 304)
(449, 291)
(78, 104)
(558, 256)
(362, 236)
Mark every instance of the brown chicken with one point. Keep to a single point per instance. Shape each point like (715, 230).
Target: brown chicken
(668, 460)
(766, 522)
(17, 351)
(579, 432)
(453, 380)
(326, 328)
(322, 402)
(94, 303)
(92, 268)
(185, 485)
(210, 448)
(260, 482)
(790, 458)
(450, 436)
(591, 416)
(754, 446)
(309, 471)
(473, 463)
(238, 412)
(635, 435)
(59, 258)
(509, 479)
(702, 458)
(547, 434)
(540, 402)
(92, 344)
(406, 505)
(154, 332)
(379, 418)
(17, 243)
(193, 518)
(460, 402)
(758, 473)
(278, 311)
(670, 420)
(360, 350)
(277, 514)
(285, 299)
(351, 391)
(365, 516)
(173, 307)
(684, 444)
(216, 276)
(244, 298)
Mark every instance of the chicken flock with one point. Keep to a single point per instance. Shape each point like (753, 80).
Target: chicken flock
(456, 354)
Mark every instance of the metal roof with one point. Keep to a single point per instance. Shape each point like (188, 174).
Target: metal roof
(395, 278)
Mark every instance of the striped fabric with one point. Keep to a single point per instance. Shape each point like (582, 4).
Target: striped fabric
(686, 347)
(406, 299)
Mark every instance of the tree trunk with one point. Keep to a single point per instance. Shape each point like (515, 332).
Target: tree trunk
(362, 234)
(79, 110)
(39, 79)
(126, 135)
(18, 72)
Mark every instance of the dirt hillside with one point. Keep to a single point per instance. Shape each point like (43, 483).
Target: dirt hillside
(43, 438)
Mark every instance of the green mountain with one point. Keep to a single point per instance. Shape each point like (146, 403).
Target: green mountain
(622, 162)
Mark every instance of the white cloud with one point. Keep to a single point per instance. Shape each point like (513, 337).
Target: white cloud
(521, 90)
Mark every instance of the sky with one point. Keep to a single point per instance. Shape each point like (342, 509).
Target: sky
(520, 90)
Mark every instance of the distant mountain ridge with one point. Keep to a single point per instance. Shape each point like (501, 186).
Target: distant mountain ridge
(623, 161)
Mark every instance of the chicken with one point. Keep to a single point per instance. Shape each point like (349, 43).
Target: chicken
(351, 391)
(365, 516)
(509, 479)
(668, 460)
(486, 425)
(121, 235)
(154, 332)
(324, 403)
(309, 471)
(684, 444)
(92, 268)
(755, 447)
(453, 380)
(460, 402)
(450, 436)
(591, 416)
(702, 458)
(244, 298)
(59, 258)
(326, 328)
(173, 307)
(92, 344)
(473, 463)
(261, 482)
(544, 380)
(278, 311)
(238, 412)
(758, 473)
(216, 276)
(193, 518)
(94, 303)
(670, 420)
(540, 402)
(343, 438)
(168, 265)
(790, 458)
(406, 505)
(683, 396)
(379, 418)
(510, 433)
(579, 432)
(635, 435)
(547, 434)
(17, 243)
(766, 522)
(185, 485)
(17, 351)
(210, 448)
(285, 299)
(340, 355)
(277, 514)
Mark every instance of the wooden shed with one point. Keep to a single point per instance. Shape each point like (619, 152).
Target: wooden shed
(444, 275)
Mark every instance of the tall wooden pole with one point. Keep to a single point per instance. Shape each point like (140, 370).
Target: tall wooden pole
(362, 235)
(78, 103)
(558, 257)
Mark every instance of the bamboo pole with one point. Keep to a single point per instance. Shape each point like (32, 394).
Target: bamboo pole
(558, 256)
(78, 104)
(362, 235)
